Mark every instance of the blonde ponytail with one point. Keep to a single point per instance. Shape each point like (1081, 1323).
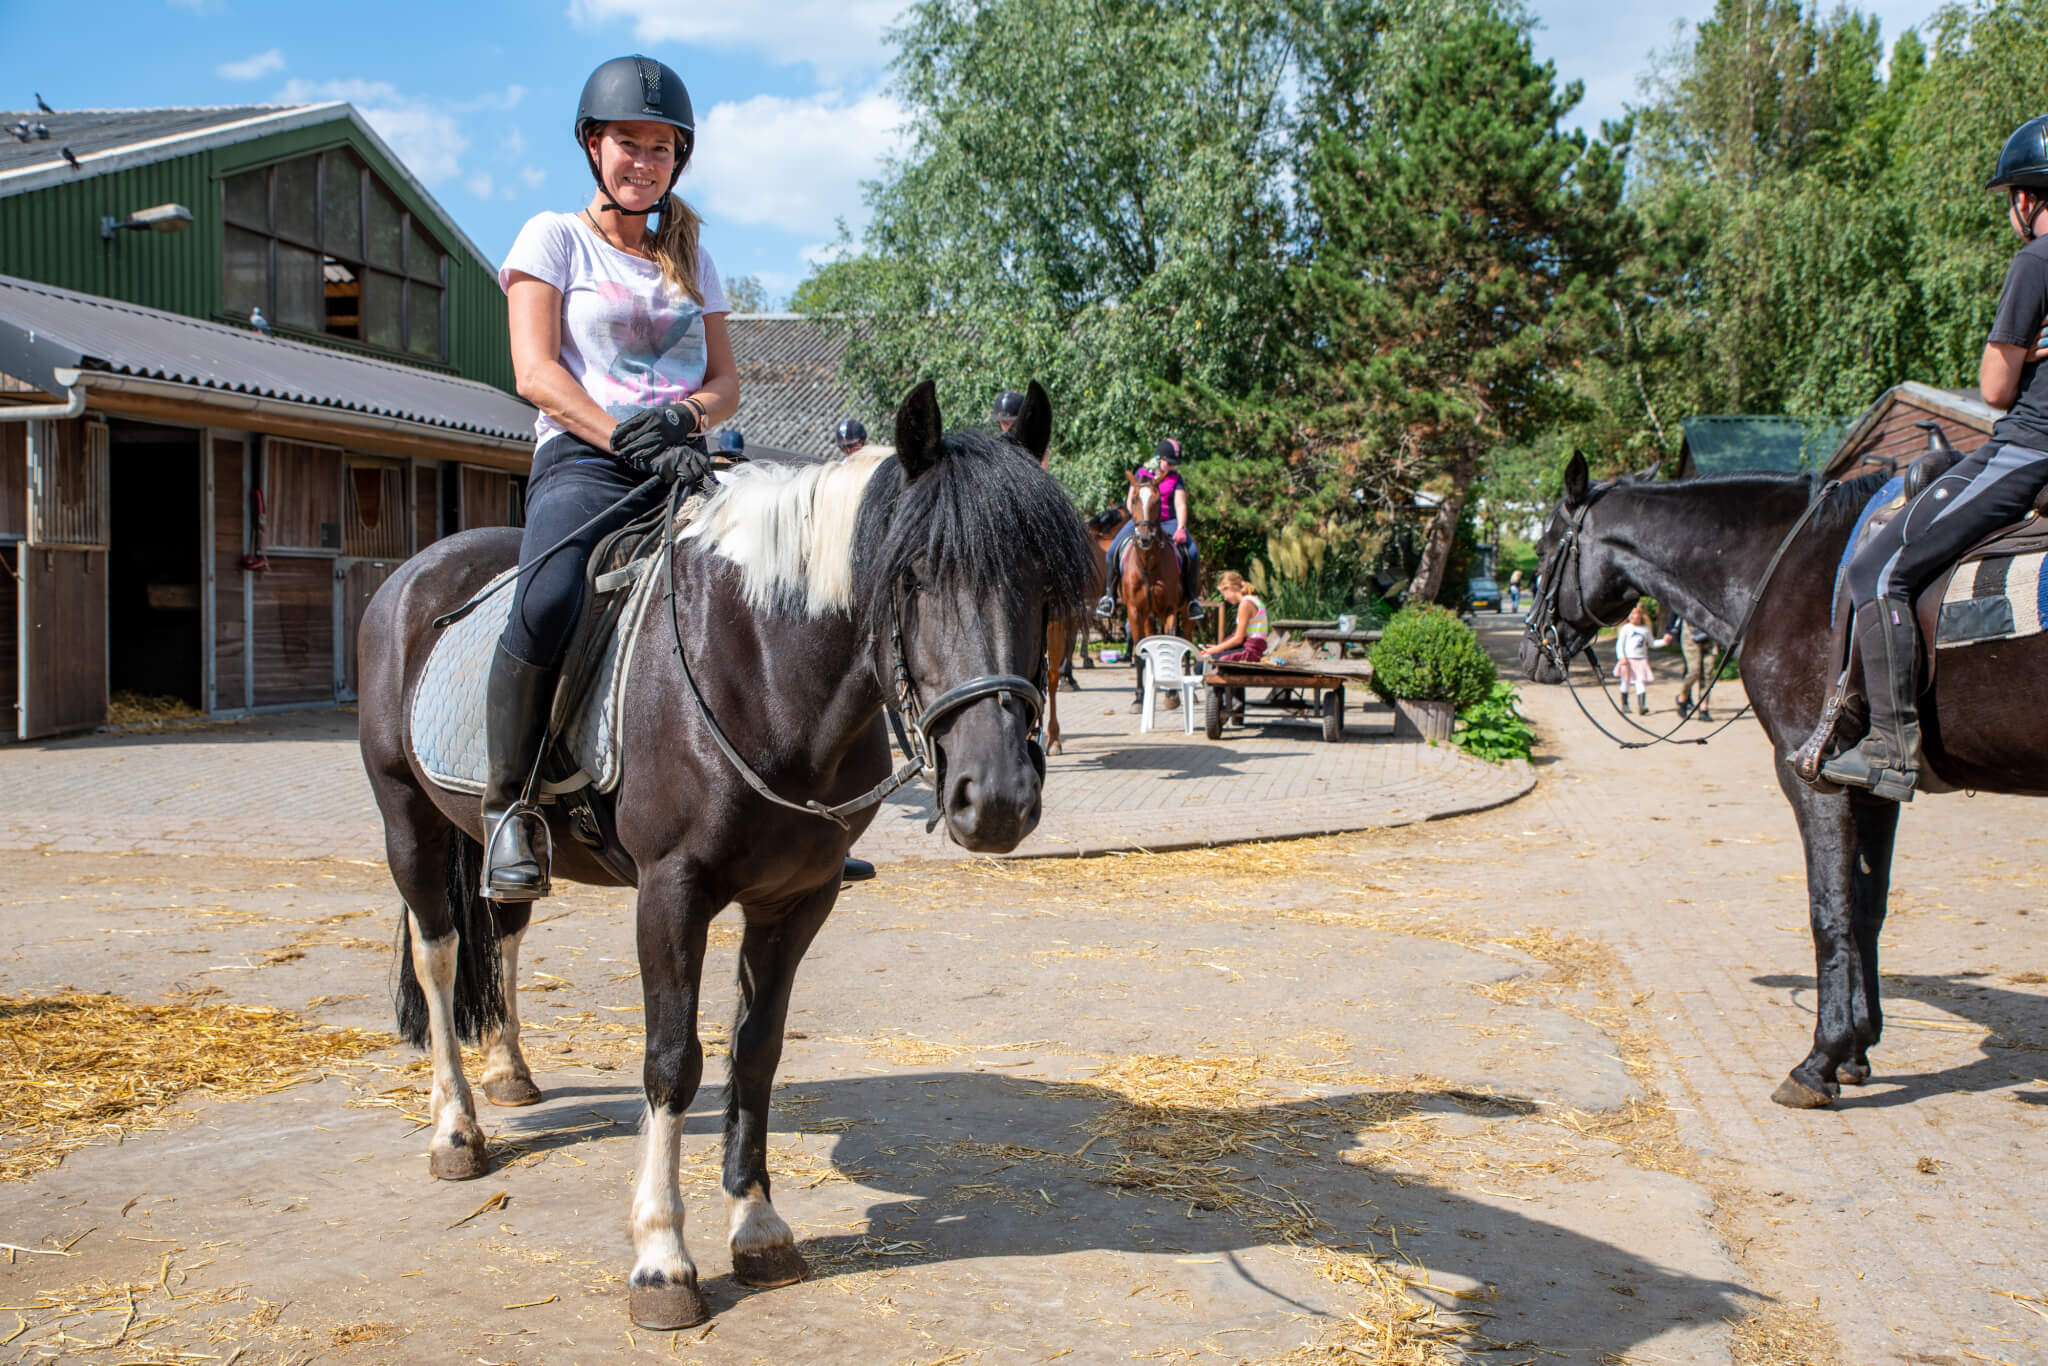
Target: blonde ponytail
(675, 247)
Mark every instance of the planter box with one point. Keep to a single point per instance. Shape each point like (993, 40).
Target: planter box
(1423, 720)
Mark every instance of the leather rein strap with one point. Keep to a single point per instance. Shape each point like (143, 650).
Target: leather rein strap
(919, 720)
(1548, 640)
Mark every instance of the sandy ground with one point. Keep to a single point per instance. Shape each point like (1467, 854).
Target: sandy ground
(1493, 1088)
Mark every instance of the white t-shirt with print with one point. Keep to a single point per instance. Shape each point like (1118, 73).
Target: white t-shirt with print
(1632, 641)
(629, 339)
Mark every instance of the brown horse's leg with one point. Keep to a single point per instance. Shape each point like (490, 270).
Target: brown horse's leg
(673, 919)
(763, 1249)
(1057, 644)
(507, 1079)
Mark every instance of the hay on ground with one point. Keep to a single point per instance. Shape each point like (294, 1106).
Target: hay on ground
(80, 1067)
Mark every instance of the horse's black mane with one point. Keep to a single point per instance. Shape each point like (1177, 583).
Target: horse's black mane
(1107, 520)
(971, 517)
(1843, 508)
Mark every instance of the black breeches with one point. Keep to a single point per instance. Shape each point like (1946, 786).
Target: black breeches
(1992, 487)
(572, 482)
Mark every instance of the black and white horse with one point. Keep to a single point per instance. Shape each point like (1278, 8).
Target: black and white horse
(805, 599)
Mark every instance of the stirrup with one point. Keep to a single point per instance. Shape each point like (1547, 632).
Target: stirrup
(1813, 752)
(526, 813)
(1891, 780)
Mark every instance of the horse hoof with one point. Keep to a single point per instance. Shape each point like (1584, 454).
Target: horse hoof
(1056, 748)
(460, 1161)
(1137, 707)
(770, 1267)
(1853, 1073)
(512, 1091)
(666, 1307)
(1795, 1094)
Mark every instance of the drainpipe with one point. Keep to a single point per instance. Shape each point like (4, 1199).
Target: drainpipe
(72, 406)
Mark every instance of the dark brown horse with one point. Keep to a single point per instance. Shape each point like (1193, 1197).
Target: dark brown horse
(806, 598)
(1702, 546)
(1061, 635)
(1150, 581)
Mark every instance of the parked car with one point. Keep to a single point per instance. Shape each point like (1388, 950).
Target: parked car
(1482, 595)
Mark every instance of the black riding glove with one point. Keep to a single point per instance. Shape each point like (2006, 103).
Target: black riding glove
(657, 441)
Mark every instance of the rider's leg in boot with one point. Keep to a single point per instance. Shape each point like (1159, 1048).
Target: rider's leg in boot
(515, 725)
(1886, 762)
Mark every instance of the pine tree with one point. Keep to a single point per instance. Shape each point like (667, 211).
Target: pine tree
(1462, 245)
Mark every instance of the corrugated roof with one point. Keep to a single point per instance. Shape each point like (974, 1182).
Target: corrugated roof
(88, 132)
(1725, 444)
(43, 329)
(790, 392)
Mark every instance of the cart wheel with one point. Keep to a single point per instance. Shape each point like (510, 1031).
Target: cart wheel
(1212, 714)
(1333, 714)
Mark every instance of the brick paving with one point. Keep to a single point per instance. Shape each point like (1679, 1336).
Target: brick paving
(292, 786)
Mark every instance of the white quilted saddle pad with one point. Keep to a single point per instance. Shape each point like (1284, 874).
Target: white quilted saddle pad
(448, 707)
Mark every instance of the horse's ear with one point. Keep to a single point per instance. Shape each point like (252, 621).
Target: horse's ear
(1033, 428)
(918, 430)
(1649, 475)
(1132, 477)
(1577, 481)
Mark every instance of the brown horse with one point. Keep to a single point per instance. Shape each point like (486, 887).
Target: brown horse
(1150, 584)
(1060, 635)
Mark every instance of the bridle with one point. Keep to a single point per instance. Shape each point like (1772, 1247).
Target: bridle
(913, 732)
(1543, 624)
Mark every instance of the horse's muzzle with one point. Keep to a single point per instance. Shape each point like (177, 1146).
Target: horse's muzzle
(1537, 664)
(990, 798)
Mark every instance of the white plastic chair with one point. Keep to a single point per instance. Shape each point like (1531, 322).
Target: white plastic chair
(1162, 664)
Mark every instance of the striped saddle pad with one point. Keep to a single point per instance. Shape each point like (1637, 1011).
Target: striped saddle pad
(2002, 597)
(448, 706)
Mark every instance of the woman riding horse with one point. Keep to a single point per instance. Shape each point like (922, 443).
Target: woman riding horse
(1994, 486)
(1164, 469)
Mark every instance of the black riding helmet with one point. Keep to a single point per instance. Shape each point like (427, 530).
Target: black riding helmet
(629, 90)
(2023, 163)
(1009, 405)
(849, 432)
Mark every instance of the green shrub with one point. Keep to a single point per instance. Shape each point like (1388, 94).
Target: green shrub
(1428, 655)
(1493, 730)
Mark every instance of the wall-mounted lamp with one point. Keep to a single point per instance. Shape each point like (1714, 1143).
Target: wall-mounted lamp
(162, 218)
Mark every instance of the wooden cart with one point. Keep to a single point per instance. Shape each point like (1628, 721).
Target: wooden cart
(1291, 690)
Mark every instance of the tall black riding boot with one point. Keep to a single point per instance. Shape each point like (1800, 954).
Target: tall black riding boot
(515, 724)
(1887, 761)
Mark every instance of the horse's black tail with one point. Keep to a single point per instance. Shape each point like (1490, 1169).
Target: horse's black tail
(479, 983)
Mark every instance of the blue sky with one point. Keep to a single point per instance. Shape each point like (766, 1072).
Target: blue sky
(478, 98)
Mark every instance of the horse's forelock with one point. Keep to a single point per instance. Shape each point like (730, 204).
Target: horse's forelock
(982, 512)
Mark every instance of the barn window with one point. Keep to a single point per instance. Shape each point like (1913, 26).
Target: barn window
(491, 498)
(67, 478)
(302, 494)
(379, 514)
(324, 247)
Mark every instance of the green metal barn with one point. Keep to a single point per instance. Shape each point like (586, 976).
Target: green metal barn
(247, 367)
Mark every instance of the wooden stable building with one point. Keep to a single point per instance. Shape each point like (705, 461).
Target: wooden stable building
(1894, 431)
(191, 506)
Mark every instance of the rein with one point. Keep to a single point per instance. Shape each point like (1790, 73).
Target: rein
(918, 720)
(1549, 642)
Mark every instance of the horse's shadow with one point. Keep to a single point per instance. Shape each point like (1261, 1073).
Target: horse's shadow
(1177, 761)
(2008, 1055)
(980, 1165)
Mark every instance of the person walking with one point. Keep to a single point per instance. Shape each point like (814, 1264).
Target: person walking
(1702, 656)
(1632, 658)
(1515, 591)
(618, 338)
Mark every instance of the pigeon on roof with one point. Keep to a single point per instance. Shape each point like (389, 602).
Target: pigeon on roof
(69, 156)
(40, 105)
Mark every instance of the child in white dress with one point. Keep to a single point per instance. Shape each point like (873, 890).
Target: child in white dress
(1632, 658)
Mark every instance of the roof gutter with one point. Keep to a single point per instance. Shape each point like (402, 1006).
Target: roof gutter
(72, 406)
(77, 382)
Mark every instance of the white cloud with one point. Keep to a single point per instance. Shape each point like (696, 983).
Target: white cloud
(480, 185)
(794, 164)
(251, 68)
(534, 177)
(426, 136)
(508, 98)
(514, 145)
(838, 37)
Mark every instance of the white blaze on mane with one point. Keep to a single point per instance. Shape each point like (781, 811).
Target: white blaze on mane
(789, 529)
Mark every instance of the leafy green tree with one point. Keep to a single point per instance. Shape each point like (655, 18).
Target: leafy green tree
(747, 294)
(1462, 244)
(1091, 197)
